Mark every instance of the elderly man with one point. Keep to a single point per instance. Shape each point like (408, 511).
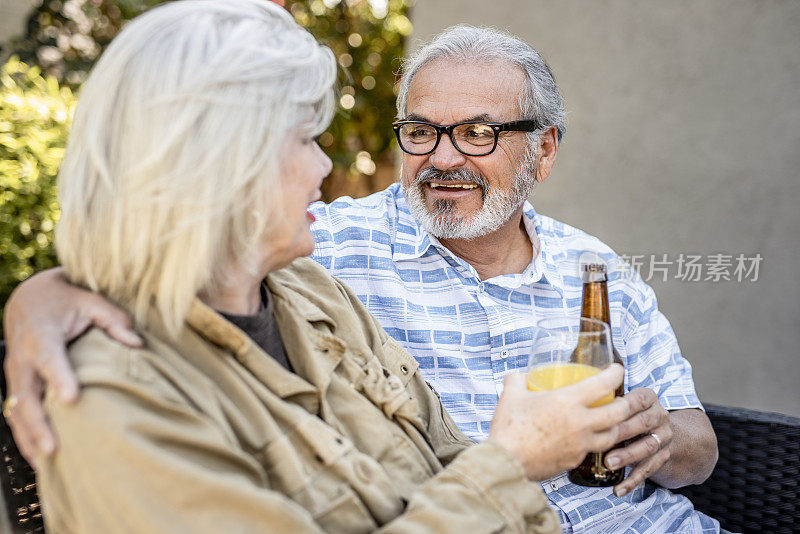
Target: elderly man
(458, 267)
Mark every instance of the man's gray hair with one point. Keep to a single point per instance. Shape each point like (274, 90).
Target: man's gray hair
(540, 100)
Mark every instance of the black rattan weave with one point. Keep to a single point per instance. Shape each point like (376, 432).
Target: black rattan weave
(17, 478)
(755, 486)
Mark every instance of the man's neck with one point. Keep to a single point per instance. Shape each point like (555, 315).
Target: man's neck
(507, 250)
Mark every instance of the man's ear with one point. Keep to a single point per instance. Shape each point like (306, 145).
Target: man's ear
(548, 147)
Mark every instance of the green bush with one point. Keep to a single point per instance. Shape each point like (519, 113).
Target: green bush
(35, 113)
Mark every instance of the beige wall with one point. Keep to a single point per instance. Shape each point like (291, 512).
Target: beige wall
(683, 136)
(12, 17)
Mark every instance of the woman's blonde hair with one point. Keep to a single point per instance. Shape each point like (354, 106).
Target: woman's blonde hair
(172, 167)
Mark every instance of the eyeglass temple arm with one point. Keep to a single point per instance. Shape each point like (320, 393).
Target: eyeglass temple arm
(530, 125)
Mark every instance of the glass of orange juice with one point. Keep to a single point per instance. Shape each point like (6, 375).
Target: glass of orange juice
(567, 350)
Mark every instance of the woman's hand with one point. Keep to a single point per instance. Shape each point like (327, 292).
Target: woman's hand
(42, 315)
(552, 431)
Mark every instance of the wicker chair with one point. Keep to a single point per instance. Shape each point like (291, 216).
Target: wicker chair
(756, 484)
(754, 488)
(17, 479)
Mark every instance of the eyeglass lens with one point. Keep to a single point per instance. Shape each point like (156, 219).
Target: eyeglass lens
(476, 139)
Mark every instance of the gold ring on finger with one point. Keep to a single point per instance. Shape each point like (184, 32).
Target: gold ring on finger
(9, 404)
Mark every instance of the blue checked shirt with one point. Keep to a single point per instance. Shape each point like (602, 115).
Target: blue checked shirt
(467, 334)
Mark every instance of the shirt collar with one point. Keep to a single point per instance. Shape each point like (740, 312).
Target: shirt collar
(545, 264)
(410, 241)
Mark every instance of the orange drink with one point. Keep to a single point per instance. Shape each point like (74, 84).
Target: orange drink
(557, 375)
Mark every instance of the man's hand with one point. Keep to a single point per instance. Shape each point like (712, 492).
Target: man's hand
(552, 431)
(41, 316)
(684, 453)
(647, 453)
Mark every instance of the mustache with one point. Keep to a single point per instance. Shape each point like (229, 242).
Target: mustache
(432, 174)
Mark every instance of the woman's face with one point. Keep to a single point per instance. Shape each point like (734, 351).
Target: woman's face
(304, 169)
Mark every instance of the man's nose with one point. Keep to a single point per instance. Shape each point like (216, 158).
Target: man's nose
(446, 156)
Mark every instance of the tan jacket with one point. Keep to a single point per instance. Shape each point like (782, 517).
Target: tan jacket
(210, 434)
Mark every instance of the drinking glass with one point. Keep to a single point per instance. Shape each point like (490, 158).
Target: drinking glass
(567, 350)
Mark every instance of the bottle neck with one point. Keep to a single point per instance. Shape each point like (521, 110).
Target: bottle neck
(595, 301)
(595, 306)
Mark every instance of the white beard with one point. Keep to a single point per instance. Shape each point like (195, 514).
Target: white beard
(498, 206)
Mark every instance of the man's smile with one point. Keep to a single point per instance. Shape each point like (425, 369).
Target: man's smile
(452, 191)
(447, 185)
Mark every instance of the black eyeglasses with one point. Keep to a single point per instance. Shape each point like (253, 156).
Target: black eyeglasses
(471, 138)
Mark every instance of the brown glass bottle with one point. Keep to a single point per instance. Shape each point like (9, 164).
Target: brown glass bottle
(592, 470)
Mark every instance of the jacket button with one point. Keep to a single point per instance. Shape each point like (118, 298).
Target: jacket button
(363, 471)
(404, 369)
(395, 383)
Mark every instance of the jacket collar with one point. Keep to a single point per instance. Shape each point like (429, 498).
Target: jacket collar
(314, 353)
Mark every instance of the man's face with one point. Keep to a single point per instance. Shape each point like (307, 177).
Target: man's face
(454, 196)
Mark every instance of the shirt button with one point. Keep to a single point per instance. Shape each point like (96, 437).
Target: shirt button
(554, 485)
(363, 471)
(504, 354)
(481, 287)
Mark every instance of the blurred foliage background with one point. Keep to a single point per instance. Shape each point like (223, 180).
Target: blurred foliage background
(35, 114)
(41, 73)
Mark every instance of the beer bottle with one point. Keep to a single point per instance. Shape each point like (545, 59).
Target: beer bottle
(592, 471)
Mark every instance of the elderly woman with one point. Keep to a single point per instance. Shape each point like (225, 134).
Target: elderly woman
(265, 397)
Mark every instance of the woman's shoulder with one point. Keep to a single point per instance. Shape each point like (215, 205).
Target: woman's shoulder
(153, 371)
(95, 353)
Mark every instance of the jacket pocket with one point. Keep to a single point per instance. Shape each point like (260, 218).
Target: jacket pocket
(345, 513)
(448, 427)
